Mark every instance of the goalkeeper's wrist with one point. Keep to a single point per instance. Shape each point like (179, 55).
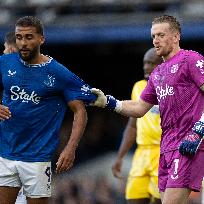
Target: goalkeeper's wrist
(113, 104)
(198, 128)
(118, 107)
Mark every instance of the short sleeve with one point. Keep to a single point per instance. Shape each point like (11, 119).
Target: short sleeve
(74, 88)
(149, 94)
(196, 68)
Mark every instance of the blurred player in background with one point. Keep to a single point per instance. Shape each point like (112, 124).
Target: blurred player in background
(10, 47)
(36, 93)
(10, 43)
(142, 183)
(177, 86)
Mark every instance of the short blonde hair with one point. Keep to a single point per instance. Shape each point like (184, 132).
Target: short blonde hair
(171, 20)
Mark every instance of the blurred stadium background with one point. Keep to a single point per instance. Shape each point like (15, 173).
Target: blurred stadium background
(103, 42)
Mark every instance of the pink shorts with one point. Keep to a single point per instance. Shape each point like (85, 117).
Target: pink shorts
(178, 171)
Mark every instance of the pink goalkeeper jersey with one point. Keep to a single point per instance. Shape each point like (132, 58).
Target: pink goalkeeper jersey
(175, 86)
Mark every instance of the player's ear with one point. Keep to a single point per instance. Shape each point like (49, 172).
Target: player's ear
(12, 49)
(42, 40)
(177, 37)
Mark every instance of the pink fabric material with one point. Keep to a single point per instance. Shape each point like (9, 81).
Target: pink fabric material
(175, 86)
(177, 171)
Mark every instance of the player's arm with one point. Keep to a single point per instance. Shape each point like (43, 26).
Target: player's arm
(127, 142)
(135, 109)
(128, 108)
(191, 143)
(67, 156)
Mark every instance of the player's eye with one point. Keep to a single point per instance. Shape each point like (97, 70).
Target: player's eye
(29, 37)
(19, 37)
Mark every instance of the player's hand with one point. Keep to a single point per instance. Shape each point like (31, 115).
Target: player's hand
(101, 100)
(116, 169)
(66, 160)
(4, 112)
(192, 141)
(107, 101)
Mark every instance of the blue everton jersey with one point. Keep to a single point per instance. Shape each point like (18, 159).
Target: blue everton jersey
(37, 97)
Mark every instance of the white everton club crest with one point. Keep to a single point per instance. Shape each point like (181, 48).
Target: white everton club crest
(50, 81)
(174, 68)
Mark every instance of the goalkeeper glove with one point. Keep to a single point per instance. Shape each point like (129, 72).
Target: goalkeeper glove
(106, 101)
(192, 142)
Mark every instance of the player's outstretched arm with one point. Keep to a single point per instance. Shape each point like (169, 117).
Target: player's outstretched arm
(128, 108)
(191, 143)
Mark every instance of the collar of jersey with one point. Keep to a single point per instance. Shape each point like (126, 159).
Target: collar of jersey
(37, 65)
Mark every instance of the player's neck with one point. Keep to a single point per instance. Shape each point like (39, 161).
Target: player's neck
(172, 53)
(39, 59)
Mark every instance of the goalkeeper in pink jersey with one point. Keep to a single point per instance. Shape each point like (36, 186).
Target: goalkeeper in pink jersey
(177, 86)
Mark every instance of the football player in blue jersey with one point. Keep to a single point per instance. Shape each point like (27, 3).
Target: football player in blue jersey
(37, 90)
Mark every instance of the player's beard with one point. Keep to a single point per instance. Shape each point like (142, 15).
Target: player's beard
(32, 54)
(165, 51)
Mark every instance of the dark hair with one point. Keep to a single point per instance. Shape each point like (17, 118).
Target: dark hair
(10, 38)
(32, 21)
(171, 20)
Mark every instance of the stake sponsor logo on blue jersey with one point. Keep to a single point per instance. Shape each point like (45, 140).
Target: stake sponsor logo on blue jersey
(21, 94)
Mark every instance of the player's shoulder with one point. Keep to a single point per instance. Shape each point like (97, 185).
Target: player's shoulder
(9, 59)
(192, 54)
(140, 84)
(61, 71)
(156, 69)
(138, 88)
(13, 55)
(59, 65)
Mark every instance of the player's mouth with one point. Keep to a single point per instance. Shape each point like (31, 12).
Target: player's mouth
(157, 48)
(24, 51)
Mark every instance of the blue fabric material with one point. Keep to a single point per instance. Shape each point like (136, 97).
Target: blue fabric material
(37, 96)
